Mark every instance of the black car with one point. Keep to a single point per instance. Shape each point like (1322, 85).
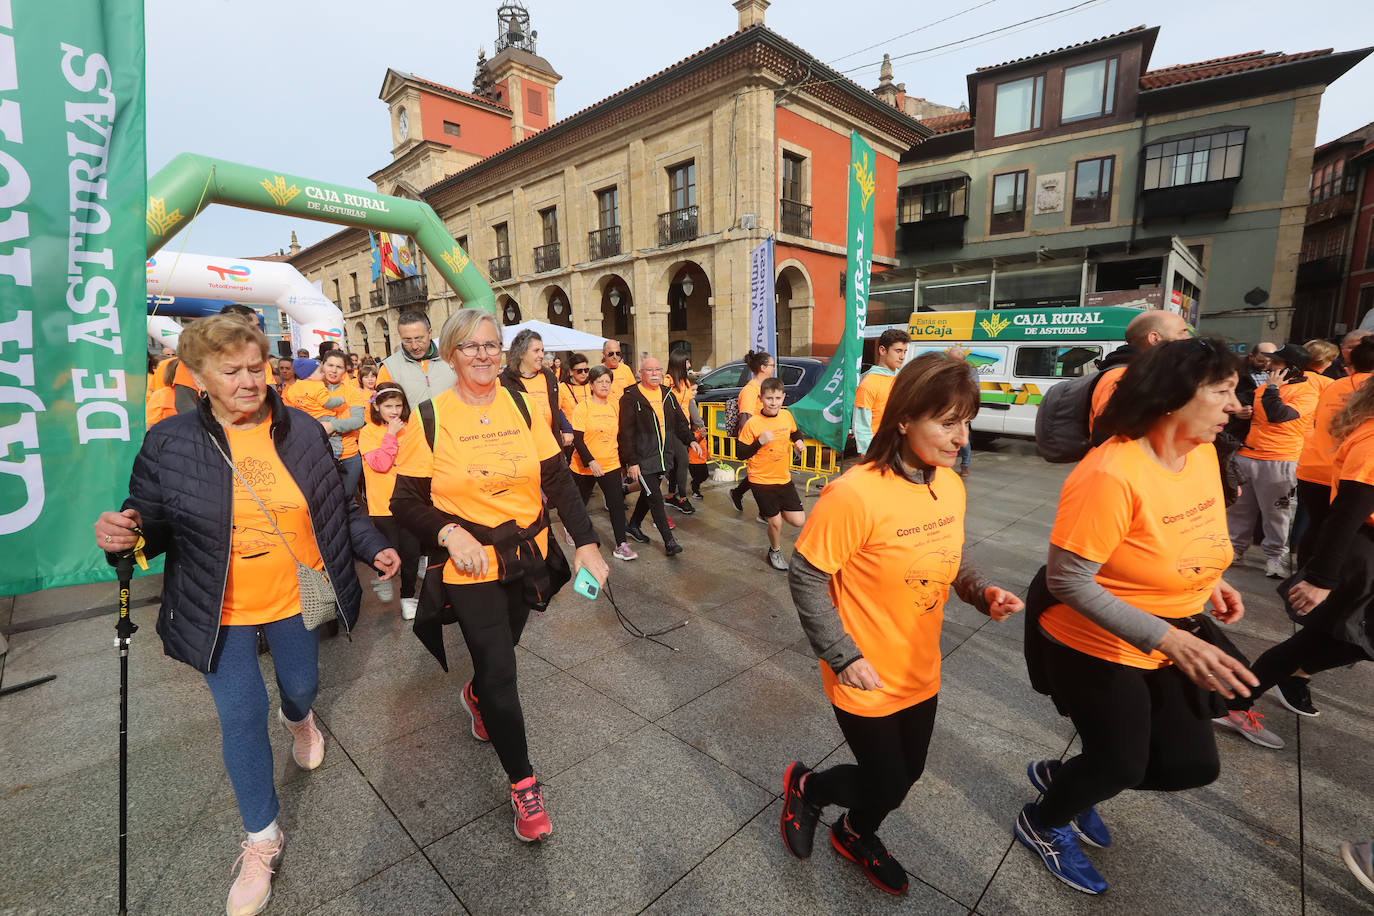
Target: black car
(799, 375)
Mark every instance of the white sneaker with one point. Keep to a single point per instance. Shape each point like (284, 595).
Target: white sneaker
(408, 608)
(1277, 569)
(384, 590)
(776, 559)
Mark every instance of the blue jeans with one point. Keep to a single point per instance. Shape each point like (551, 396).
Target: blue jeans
(241, 699)
(965, 454)
(353, 470)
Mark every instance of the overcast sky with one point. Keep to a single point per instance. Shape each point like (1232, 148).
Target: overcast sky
(292, 84)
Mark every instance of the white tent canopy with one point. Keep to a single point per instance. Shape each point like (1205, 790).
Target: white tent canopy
(554, 337)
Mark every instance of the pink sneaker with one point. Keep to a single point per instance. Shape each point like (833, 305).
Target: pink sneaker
(479, 731)
(307, 745)
(253, 887)
(531, 820)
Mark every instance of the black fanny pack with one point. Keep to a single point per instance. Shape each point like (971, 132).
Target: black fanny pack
(1208, 704)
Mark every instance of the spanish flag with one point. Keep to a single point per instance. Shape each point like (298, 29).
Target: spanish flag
(389, 268)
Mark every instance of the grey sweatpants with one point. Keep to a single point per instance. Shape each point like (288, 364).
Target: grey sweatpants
(1266, 495)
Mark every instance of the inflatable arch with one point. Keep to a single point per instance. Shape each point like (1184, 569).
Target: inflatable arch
(163, 332)
(200, 277)
(189, 183)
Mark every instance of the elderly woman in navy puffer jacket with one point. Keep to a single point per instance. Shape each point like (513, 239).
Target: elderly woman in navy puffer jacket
(229, 572)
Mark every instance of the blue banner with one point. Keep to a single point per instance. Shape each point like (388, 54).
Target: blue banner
(763, 335)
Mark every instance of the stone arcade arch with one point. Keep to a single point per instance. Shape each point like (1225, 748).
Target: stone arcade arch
(557, 306)
(688, 293)
(384, 331)
(795, 305)
(509, 310)
(618, 314)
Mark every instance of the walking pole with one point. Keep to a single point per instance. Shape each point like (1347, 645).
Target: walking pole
(124, 631)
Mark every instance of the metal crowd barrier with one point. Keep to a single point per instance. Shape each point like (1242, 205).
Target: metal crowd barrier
(817, 460)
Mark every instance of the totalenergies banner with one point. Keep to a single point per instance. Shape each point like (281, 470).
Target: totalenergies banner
(824, 413)
(72, 313)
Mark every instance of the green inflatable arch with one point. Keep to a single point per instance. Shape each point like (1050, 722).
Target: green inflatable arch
(189, 183)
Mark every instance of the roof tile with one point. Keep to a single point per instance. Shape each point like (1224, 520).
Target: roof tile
(944, 124)
(1222, 66)
(1081, 44)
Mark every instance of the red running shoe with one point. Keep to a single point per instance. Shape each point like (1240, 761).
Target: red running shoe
(479, 731)
(531, 820)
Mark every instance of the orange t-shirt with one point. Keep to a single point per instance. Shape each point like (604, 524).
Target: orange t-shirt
(380, 484)
(872, 395)
(161, 405)
(309, 395)
(769, 465)
(692, 456)
(1160, 537)
(1319, 381)
(262, 586)
(1355, 459)
(1319, 449)
(892, 550)
(570, 395)
(484, 467)
(655, 398)
(538, 390)
(750, 402)
(683, 392)
(353, 397)
(1281, 441)
(622, 377)
(1102, 391)
(599, 425)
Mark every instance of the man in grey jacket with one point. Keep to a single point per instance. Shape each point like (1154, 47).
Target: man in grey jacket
(416, 367)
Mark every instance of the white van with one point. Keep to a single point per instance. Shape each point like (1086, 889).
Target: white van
(1020, 353)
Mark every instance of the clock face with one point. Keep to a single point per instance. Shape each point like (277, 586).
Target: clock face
(403, 123)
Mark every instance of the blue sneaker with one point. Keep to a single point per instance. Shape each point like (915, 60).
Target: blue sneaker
(1087, 825)
(1058, 848)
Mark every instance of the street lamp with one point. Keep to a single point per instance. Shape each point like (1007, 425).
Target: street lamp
(557, 304)
(614, 297)
(686, 285)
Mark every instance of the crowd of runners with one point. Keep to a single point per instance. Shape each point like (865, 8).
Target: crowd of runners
(445, 462)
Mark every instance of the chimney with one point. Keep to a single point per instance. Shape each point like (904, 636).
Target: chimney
(295, 245)
(750, 12)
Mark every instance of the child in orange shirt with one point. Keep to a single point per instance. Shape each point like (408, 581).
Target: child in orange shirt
(379, 442)
(765, 442)
(698, 453)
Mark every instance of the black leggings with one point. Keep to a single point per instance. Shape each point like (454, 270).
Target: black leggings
(407, 545)
(1308, 649)
(1314, 503)
(615, 498)
(1141, 729)
(492, 616)
(652, 501)
(891, 755)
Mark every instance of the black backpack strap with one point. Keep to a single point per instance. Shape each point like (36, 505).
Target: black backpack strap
(517, 394)
(427, 417)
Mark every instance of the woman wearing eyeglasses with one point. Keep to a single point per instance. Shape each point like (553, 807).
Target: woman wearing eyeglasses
(1137, 552)
(474, 490)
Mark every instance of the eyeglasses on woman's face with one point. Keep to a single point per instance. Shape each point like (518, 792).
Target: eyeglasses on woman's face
(473, 347)
(582, 370)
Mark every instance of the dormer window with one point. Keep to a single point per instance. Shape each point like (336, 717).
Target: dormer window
(1089, 91)
(1019, 106)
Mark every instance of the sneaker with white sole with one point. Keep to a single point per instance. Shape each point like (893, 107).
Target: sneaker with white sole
(307, 741)
(408, 608)
(624, 551)
(1296, 695)
(1246, 723)
(1088, 824)
(479, 731)
(776, 559)
(1359, 858)
(1058, 848)
(383, 589)
(253, 887)
(1276, 569)
(531, 820)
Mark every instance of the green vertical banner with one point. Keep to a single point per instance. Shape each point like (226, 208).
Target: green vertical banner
(73, 179)
(824, 413)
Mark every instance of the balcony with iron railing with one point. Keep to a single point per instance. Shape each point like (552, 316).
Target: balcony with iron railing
(796, 218)
(499, 268)
(547, 257)
(677, 226)
(375, 299)
(406, 291)
(1320, 271)
(354, 303)
(603, 243)
(1331, 207)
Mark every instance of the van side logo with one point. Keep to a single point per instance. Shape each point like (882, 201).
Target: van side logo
(994, 325)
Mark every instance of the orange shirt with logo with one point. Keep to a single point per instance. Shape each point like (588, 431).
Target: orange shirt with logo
(892, 550)
(262, 586)
(1281, 441)
(570, 395)
(622, 377)
(769, 465)
(1355, 459)
(599, 425)
(872, 395)
(380, 484)
(683, 392)
(1319, 449)
(538, 390)
(484, 467)
(1160, 536)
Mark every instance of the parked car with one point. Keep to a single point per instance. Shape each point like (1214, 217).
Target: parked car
(799, 375)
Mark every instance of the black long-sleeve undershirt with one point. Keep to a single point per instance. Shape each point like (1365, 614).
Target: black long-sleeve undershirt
(1353, 505)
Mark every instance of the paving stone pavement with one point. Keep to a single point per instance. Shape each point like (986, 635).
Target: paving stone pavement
(663, 767)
